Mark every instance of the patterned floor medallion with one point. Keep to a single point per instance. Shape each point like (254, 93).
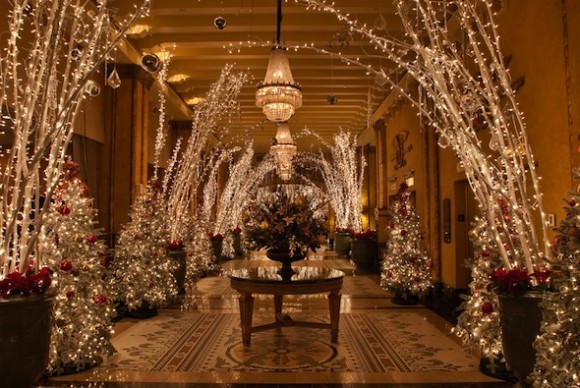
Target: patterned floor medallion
(368, 342)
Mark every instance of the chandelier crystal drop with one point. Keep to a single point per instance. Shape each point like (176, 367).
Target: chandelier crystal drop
(283, 149)
(278, 95)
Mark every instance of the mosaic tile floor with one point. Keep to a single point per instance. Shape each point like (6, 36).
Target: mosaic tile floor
(197, 343)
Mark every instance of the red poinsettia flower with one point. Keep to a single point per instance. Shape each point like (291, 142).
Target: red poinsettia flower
(217, 236)
(517, 281)
(175, 245)
(28, 283)
(64, 210)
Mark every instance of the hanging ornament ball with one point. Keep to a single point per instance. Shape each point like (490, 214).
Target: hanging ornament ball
(220, 23)
(487, 308)
(150, 62)
(76, 53)
(92, 89)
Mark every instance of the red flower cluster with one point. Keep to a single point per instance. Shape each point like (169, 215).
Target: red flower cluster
(516, 281)
(369, 234)
(218, 236)
(175, 245)
(66, 266)
(343, 230)
(28, 283)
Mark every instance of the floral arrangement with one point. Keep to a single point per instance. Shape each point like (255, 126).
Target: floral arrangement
(216, 236)
(343, 230)
(286, 225)
(175, 246)
(368, 234)
(28, 283)
(517, 281)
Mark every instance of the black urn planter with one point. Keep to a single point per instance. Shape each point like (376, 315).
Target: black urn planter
(284, 257)
(342, 243)
(25, 330)
(363, 253)
(238, 251)
(520, 319)
(180, 258)
(216, 248)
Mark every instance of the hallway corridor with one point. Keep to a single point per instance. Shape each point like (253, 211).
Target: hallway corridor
(196, 342)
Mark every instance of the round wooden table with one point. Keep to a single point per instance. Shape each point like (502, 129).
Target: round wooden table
(266, 280)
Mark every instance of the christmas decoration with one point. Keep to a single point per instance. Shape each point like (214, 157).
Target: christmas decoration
(242, 181)
(343, 178)
(406, 267)
(558, 346)
(82, 307)
(463, 85)
(212, 116)
(52, 50)
(142, 271)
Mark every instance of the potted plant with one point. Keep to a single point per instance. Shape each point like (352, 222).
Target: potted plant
(363, 251)
(287, 228)
(520, 295)
(177, 253)
(216, 241)
(50, 52)
(342, 238)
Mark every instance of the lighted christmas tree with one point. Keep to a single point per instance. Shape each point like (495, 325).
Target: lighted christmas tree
(82, 307)
(406, 268)
(558, 347)
(142, 271)
(478, 325)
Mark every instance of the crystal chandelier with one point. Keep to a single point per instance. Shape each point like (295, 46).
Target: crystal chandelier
(278, 95)
(283, 149)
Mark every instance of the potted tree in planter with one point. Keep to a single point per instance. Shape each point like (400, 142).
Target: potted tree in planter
(50, 52)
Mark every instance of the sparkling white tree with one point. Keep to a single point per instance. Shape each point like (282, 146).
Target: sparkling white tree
(406, 267)
(82, 307)
(142, 271)
(212, 116)
(558, 347)
(343, 176)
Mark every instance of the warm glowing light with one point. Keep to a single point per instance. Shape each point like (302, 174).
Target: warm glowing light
(278, 95)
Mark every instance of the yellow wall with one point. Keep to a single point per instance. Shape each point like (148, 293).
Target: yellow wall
(532, 33)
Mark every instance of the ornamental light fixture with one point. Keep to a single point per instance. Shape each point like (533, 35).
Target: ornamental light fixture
(278, 95)
(283, 149)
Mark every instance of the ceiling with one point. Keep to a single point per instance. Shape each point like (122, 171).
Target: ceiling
(200, 50)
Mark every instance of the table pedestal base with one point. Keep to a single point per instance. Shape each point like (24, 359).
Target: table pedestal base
(246, 302)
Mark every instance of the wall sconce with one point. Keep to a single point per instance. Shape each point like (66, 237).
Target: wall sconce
(409, 177)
